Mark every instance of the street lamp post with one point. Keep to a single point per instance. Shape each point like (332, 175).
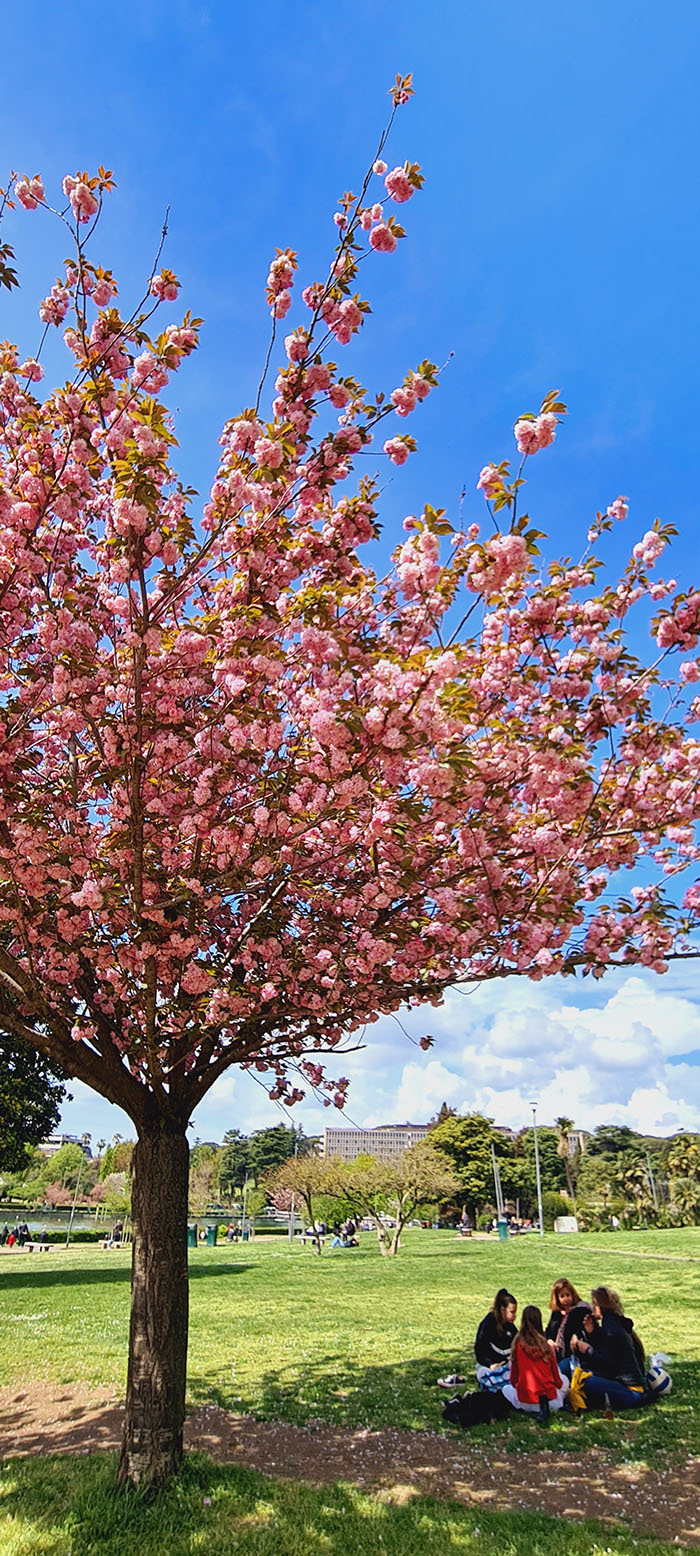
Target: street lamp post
(293, 1206)
(537, 1168)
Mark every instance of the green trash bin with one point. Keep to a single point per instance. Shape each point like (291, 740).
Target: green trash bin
(191, 1236)
(211, 1236)
(246, 1235)
(503, 1229)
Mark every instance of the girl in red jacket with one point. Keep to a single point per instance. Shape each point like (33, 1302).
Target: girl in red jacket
(535, 1384)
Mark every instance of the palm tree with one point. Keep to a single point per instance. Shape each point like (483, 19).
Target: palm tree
(565, 1134)
(633, 1179)
(685, 1195)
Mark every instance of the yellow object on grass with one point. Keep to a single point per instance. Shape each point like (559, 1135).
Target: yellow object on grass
(577, 1397)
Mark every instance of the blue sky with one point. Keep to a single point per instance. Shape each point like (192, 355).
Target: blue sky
(555, 245)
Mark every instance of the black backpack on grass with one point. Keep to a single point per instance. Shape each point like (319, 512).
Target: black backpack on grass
(476, 1409)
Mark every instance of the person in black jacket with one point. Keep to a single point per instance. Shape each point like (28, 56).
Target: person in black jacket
(567, 1313)
(613, 1353)
(494, 1338)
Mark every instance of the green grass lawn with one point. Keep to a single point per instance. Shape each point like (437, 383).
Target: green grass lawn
(354, 1339)
(68, 1507)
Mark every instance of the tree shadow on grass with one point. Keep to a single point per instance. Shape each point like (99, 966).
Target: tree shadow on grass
(328, 1388)
(41, 1279)
(218, 1510)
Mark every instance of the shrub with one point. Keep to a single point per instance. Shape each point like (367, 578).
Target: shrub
(554, 1205)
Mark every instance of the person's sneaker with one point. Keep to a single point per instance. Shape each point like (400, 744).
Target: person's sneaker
(542, 1416)
(451, 1381)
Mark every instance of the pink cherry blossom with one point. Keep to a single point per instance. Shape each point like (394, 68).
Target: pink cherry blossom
(536, 434)
(32, 370)
(397, 451)
(281, 305)
(268, 452)
(83, 202)
(405, 400)
(103, 292)
(489, 482)
(165, 286)
(398, 185)
(296, 345)
(29, 192)
(382, 239)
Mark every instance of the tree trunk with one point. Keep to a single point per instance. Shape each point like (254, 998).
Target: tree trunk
(383, 1241)
(155, 1392)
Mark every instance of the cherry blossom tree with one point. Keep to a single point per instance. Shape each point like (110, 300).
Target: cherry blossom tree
(254, 794)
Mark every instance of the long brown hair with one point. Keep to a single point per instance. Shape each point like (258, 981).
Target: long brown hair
(609, 1302)
(531, 1334)
(557, 1288)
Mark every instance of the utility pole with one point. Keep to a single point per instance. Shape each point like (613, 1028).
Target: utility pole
(533, 1105)
(292, 1207)
(84, 1142)
(497, 1181)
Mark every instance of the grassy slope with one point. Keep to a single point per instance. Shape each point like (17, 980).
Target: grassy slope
(352, 1338)
(67, 1507)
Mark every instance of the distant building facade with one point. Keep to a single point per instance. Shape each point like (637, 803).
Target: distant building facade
(53, 1143)
(386, 1142)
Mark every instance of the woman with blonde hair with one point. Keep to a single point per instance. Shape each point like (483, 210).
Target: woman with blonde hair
(610, 1356)
(567, 1313)
(536, 1384)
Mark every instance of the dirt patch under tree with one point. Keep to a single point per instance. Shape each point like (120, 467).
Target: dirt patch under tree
(44, 1418)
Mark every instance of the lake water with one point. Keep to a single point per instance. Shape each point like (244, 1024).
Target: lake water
(54, 1220)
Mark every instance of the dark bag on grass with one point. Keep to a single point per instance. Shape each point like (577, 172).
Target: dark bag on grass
(476, 1409)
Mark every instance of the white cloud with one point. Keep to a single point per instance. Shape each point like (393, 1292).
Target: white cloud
(423, 1087)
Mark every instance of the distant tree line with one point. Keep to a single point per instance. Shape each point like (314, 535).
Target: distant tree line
(622, 1175)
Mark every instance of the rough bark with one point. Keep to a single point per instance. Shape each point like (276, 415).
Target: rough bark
(155, 1397)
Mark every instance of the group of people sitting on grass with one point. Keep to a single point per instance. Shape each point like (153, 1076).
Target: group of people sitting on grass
(588, 1357)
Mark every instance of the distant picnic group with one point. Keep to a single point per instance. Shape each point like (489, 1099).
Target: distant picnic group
(588, 1357)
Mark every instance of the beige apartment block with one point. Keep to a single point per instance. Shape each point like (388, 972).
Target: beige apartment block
(386, 1142)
